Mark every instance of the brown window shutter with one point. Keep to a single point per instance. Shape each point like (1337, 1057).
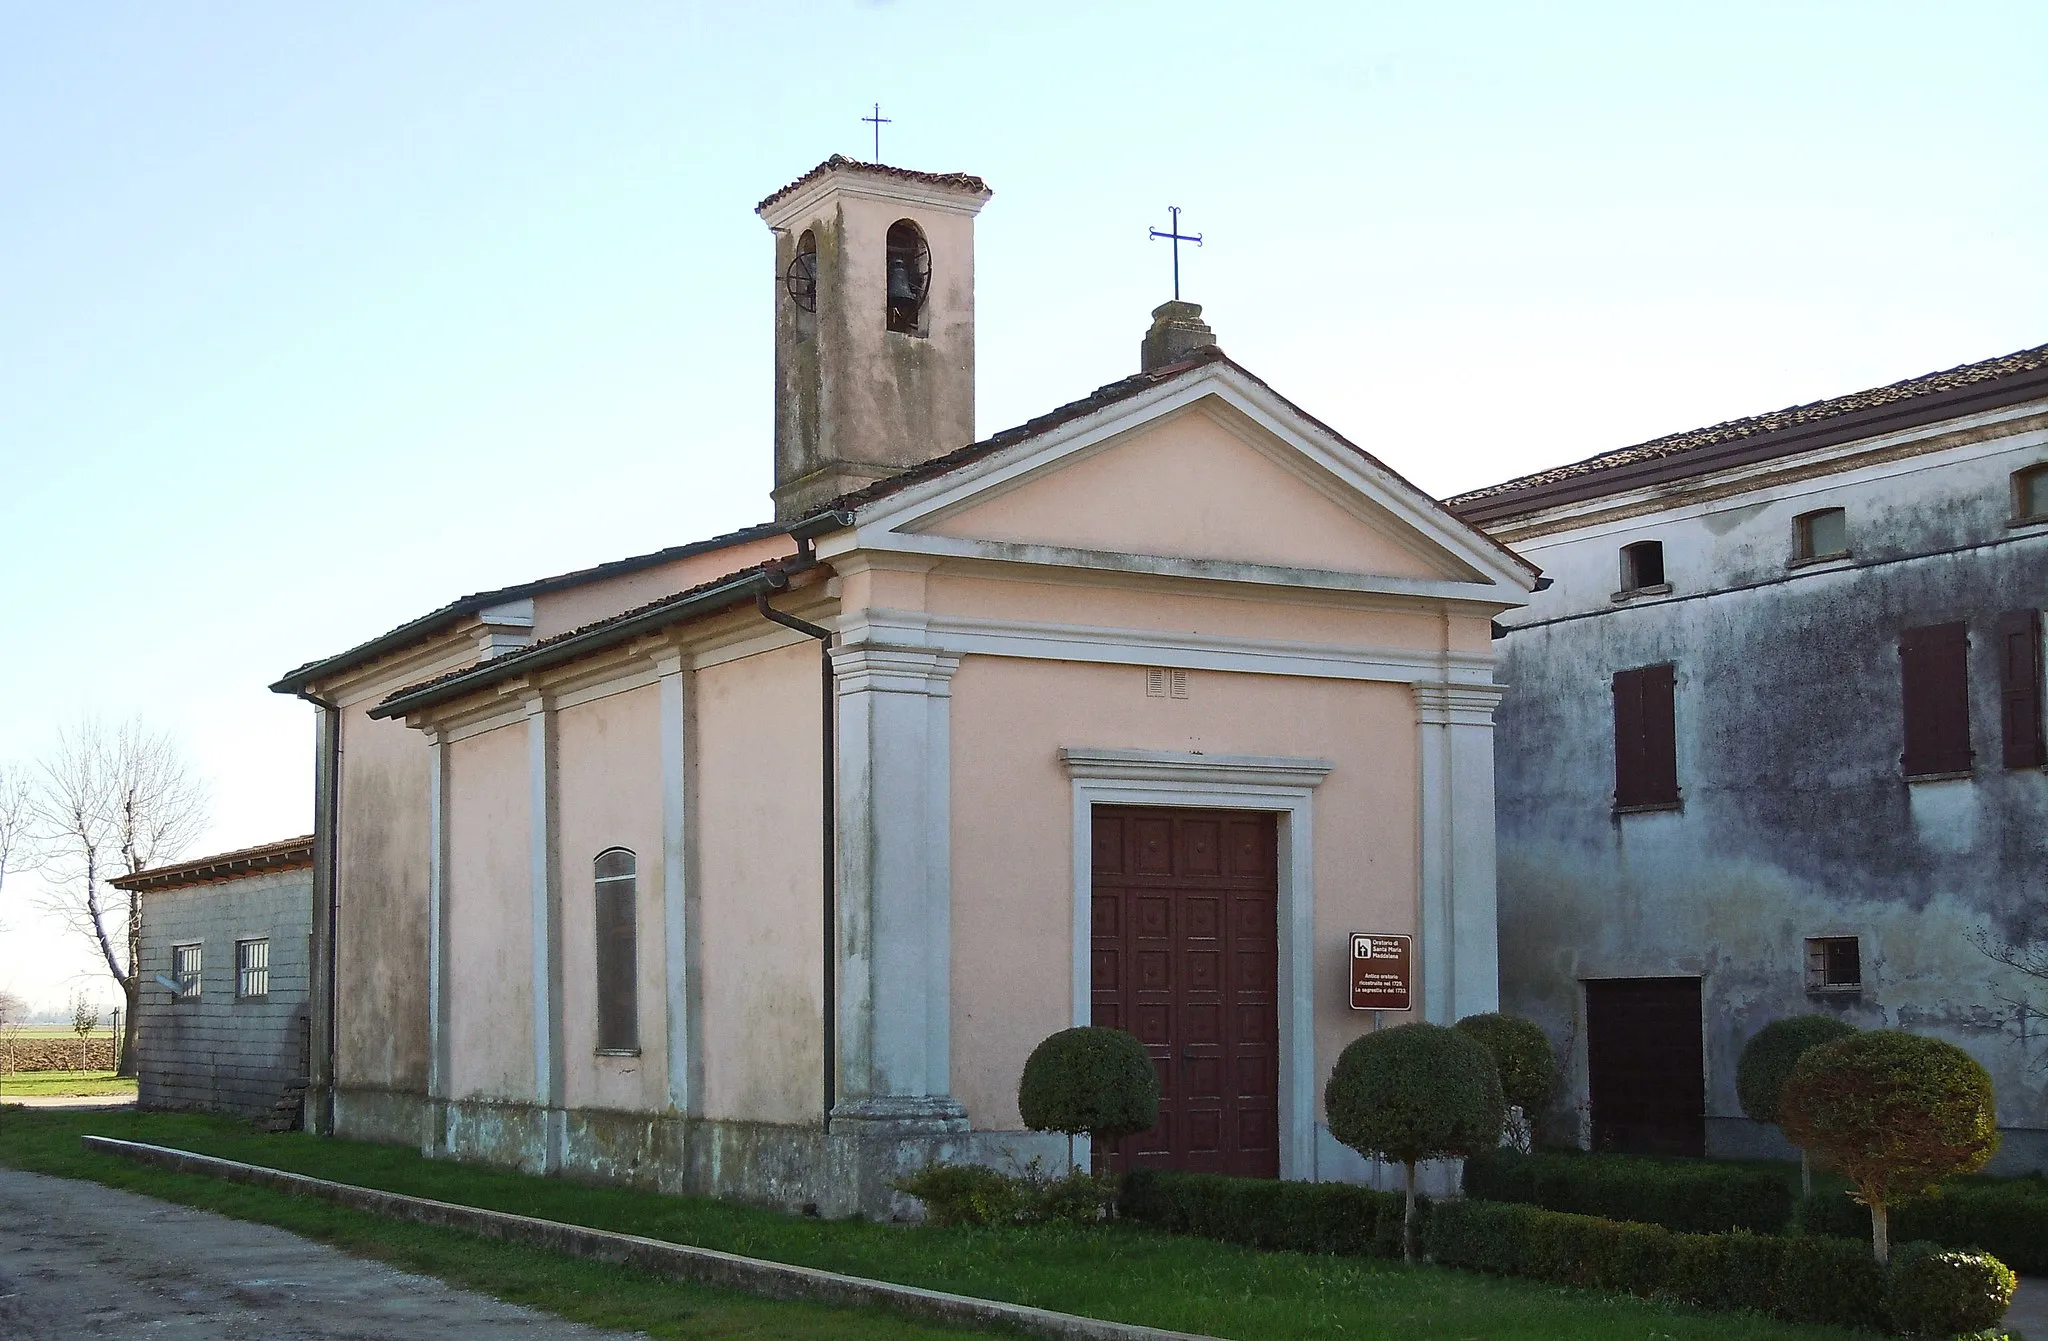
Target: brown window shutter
(2019, 687)
(1934, 678)
(1645, 737)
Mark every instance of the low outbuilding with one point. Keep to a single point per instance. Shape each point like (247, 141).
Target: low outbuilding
(224, 1024)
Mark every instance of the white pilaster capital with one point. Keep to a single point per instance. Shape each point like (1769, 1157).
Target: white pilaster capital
(894, 670)
(1457, 704)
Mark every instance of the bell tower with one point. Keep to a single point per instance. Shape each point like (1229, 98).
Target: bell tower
(874, 325)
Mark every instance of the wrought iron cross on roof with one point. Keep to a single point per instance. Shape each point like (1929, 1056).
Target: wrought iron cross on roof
(878, 121)
(1177, 238)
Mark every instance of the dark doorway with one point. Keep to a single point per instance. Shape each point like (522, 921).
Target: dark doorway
(1646, 1071)
(1186, 957)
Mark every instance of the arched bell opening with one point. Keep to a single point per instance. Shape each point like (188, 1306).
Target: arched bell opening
(909, 272)
(800, 282)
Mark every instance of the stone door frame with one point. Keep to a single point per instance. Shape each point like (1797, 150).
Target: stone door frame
(1280, 786)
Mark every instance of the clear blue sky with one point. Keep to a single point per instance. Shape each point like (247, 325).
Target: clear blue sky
(312, 318)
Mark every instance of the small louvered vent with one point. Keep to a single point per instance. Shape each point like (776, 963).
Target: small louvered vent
(1165, 682)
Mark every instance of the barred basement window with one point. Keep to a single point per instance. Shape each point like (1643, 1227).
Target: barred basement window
(185, 970)
(252, 968)
(616, 876)
(1834, 964)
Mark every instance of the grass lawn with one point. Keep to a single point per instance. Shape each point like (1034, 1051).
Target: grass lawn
(91, 1084)
(1126, 1274)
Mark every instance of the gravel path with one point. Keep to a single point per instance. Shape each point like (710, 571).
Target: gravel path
(81, 1260)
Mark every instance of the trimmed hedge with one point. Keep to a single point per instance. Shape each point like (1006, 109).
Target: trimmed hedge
(2010, 1222)
(1694, 1198)
(1819, 1280)
(1265, 1213)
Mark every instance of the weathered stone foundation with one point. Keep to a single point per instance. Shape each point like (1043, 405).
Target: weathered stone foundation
(843, 1171)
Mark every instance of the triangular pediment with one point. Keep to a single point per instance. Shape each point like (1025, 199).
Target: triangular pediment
(1208, 475)
(1195, 486)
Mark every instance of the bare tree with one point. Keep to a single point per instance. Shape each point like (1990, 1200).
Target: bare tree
(110, 803)
(13, 1010)
(16, 814)
(2026, 951)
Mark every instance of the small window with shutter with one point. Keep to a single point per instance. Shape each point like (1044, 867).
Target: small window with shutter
(1642, 569)
(2030, 494)
(1820, 535)
(618, 994)
(1646, 738)
(1934, 679)
(2019, 688)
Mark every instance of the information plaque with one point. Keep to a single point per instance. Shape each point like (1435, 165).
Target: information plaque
(1380, 971)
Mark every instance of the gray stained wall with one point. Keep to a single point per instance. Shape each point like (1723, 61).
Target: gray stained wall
(217, 1052)
(1795, 819)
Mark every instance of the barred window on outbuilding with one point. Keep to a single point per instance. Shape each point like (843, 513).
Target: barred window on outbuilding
(252, 968)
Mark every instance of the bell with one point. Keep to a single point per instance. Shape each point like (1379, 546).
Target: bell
(901, 288)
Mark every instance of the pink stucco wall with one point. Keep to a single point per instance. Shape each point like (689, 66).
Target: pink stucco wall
(1191, 487)
(608, 794)
(490, 912)
(381, 917)
(758, 760)
(1013, 898)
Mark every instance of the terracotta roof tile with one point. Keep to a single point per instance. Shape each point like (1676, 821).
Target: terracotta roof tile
(965, 181)
(510, 663)
(1677, 444)
(287, 854)
(434, 620)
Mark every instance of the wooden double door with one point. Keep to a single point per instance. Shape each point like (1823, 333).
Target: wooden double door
(1185, 955)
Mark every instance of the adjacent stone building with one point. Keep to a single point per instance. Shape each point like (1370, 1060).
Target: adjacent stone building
(1772, 744)
(223, 1015)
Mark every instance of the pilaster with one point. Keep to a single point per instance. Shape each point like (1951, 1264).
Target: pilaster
(1460, 928)
(438, 1055)
(547, 925)
(894, 886)
(678, 884)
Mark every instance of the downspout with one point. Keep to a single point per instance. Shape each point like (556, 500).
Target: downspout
(827, 798)
(327, 836)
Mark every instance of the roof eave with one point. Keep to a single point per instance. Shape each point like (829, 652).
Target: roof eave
(596, 639)
(1834, 431)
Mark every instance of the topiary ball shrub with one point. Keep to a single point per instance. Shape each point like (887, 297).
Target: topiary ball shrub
(1895, 1112)
(1521, 1053)
(1098, 1082)
(1415, 1092)
(1942, 1293)
(1772, 1052)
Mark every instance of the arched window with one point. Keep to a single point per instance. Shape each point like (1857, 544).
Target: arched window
(1642, 567)
(909, 277)
(618, 970)
(801, 279)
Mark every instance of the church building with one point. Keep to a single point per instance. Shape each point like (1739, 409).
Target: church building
(757, 866)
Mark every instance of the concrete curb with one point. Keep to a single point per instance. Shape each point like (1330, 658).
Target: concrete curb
(675, 1261)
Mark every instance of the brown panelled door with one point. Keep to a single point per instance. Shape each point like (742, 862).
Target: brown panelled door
(1186, 957)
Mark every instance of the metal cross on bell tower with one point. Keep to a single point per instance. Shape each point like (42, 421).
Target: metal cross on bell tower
(1177, 237)
(878, 121)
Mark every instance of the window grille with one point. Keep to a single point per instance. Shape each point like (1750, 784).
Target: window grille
(185, 970)
(252, 968)
(1834, 964)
